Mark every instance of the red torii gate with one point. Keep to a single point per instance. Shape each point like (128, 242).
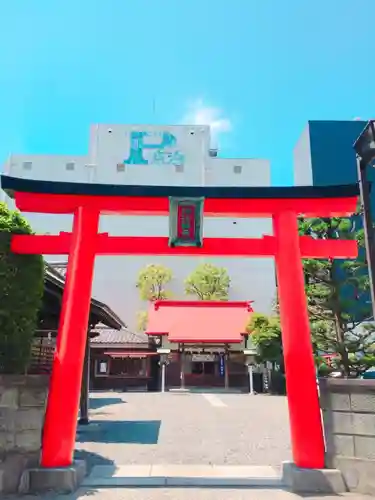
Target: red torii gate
(88, 201)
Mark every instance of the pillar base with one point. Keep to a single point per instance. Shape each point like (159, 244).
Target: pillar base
(300, 480)
(61, 480)
(83, 421)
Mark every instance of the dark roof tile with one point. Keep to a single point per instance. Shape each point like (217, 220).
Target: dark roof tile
(123, 336)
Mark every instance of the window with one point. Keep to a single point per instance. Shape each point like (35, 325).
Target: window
(237, 169)
(179, 169)
(236, 366)
(102, 367)
(27, 165)
(130, 367)
(203, 368)
(70, 165)
(197, 368)
(120, 167)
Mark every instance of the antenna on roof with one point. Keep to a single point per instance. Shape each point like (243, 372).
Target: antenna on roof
(154, 108)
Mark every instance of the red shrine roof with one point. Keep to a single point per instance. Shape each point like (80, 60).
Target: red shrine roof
(199, 321)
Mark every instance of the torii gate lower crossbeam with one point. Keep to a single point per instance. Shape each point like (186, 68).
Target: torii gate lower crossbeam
(285, 245)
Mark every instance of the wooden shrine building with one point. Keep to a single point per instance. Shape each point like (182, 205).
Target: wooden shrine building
(201, 343)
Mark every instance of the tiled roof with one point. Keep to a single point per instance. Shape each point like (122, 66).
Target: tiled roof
(124, 336)
(59, 267)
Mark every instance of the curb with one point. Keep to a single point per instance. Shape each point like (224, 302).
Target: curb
(183, 475)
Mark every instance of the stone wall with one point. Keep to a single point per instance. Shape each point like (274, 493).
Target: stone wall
(348, 408)
(22, 408)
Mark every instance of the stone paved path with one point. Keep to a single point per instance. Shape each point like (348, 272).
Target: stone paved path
(185, 429)
(173, 428)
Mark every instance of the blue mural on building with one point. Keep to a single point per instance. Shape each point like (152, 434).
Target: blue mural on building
(164, 146)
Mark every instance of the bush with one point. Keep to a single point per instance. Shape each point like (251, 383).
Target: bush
(21, 292)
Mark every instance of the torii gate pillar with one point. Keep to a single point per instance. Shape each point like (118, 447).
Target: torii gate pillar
(304, 408)
(59, 433)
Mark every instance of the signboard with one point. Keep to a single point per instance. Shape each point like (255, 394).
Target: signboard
(157, 147)
(185, 221)
(103, 367)
(203, 358)
(222, 366)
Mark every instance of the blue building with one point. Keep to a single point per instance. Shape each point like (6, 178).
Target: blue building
(324, 155)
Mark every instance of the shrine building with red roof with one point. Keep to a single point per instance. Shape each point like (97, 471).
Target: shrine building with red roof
(202, 343)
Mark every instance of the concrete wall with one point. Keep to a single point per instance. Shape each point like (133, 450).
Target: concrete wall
(237, 172)
(49, 167)
(22, 408)
(348, 408)
(303, 174)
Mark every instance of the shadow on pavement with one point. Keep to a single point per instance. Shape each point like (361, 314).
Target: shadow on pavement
(112, 431)
(96, 403)
(92, 459)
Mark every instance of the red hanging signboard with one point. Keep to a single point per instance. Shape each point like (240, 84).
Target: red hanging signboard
(186, 222)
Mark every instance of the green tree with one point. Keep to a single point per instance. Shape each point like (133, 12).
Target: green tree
(338, 305)
(142, 320)
(266, 335)
(21, 292)
(152, 281)
(208, 282)
(337, 296)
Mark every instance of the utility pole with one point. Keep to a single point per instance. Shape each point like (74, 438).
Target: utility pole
(365, 148)
(368, 226)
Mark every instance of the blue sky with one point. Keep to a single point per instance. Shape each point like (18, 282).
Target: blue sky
(256, 69)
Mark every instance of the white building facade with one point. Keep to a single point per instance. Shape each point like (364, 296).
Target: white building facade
(155, 155)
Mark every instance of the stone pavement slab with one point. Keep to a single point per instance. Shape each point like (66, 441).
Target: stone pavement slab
(184, 475)
(186, 494)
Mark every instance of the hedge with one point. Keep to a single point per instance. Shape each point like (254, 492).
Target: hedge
(21, 293)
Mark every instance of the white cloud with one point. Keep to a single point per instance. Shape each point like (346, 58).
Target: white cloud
(199, 113)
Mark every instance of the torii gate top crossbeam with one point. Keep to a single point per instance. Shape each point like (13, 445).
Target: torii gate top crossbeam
(66, 197)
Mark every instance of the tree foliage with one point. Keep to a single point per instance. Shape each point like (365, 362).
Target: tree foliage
(142, 320)
(208, 282)
(266, 335)
(338, 298)
(152, 281)
(338, 304)
(21, 292)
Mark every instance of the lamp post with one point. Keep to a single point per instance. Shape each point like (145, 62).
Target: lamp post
(250, 362)
(364, 147)
(182, 367)
(163, 363)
